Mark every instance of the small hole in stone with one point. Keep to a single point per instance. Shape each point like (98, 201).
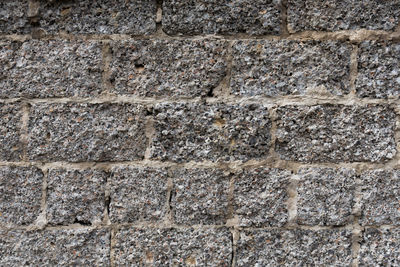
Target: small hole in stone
(139, 67)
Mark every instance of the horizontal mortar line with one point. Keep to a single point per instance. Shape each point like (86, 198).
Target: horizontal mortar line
(344, 35)
(268, 101)
(235, 165)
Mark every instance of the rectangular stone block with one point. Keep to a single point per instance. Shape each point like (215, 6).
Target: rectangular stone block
(378, 70)
(77, 247)
(325, 196)
(98, 17)
(274, 68)
(138, 194)
(167, 68)
(294, 248)
(42, 69)
(256, 17)
(260, 196)
(173, 247)
(200, 196)
(216, 132)
(86, 132)
(336, 133)
(75, 196)
(11, 147)
(20, 195)
(332, 15)
(380, 192)
(13, 17)
(380, 247)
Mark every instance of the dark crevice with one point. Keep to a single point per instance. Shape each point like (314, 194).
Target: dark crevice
(233, 254)
(107, 203)
(210, 92)
(82, 222)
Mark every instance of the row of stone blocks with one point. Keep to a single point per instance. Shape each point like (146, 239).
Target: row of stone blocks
(183, 132)
(195, 68)
(254, 17)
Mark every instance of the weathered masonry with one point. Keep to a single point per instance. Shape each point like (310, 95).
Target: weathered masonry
(199, 133)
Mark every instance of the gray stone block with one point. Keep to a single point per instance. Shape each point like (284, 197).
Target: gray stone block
(138, 194)
(86, 132)
(294, 248)
(167, 68)
(20, 195)
(13, 17)
(380, 197)
(331, 15)
(42, 69)
(260, 196)
(77, 247)
(255, 17)
(380, 247)
(99, 17)
(200, 196)
(11, 148)
(378, 70)
(336, 133)
(173, 247)
(216, 132)
(273, 68)
(325, 196)
(75, 196)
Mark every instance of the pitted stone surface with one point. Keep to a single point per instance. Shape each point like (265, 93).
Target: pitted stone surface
(294, 248)
(325, 196)
(173, 247)
(43, 69)
(380, 197)
(138, 194)
(10, 132)
(167, 68)
(77, 247)
(20, 195)
(200, 196)
(378, 70)
(99, 17)
(273, 68)
(75, 196)
(254, 17)
(336, 133)
(217, 132)
(332, 15)
(86, 132)
(260, 196)
(13, 17)
(380, 247)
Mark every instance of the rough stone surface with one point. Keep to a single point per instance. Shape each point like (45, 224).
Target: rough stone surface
(50, 68)
(380, 247)
(294, 248)
(138, 194)
(332, 15)
(260, 197)
(99, 17)
(78, 247)
(13, 17)
(173, 247)
(336, 133)
(91, 132)
(75, 196)
(273, 68)
(10, 132)
(380, 201)
(217, 132)
(378, 70)
(254, 17)
(200, 196)
(325, 196)
(20, 195)
(167, 68)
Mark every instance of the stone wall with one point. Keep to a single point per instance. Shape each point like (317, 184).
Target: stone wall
(199, 133)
